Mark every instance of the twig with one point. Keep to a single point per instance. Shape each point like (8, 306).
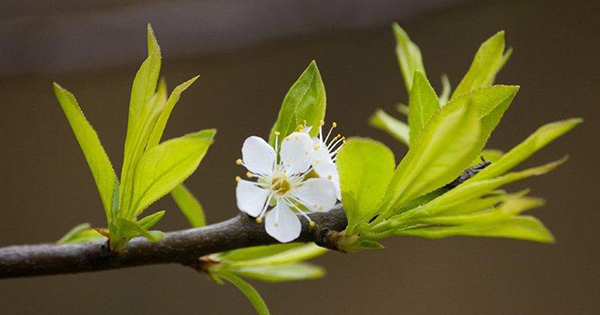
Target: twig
(183, 247)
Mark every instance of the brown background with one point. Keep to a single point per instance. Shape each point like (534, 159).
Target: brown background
(46, 186)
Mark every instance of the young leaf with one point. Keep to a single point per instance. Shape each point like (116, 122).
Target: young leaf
(486, 64)
(409, 56)
(365, 168)
(144, 84)
(536, 141)
(394, 127)
(189, 205)
(423, 104)
(250, 292)
(305, 102)
(82, 233)
(446, 89)
(280, 273)
(444, 150)
(151, 220)
(161, 123)
(165, 166)
(257, 252)
(100, 166)
(122, 230)
(292, 255)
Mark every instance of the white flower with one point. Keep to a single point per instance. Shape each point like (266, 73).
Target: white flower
(283, 184)
(326, 150)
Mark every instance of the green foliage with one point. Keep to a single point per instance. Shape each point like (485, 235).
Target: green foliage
(94, 153)
(150, 169)
(445, 137)
(189, 205)
(394, 127)
(409, 56)
(272, 263)
(366, 168)
(82, 233)
(304, 104)
(422, 106)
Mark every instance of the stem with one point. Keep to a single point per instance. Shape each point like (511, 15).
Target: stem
(182, 247)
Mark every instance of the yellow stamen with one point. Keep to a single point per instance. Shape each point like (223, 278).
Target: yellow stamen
(312, 224)
(238, 179)
(238, 161)
(334, 124)
(259, 220)
(249, 175)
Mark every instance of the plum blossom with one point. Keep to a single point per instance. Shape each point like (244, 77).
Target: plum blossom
(282, 183)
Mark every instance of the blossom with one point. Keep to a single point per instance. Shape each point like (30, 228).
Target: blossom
(283, 184)
(326, 149)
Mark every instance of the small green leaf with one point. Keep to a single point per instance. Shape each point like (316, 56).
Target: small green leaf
(486, 64)
(444, 150)
(291, 255)
(281, 273)
(368, 244)
(123, 230)
(366, 167)
(165, 166)
(100, 166)
(539, 139)
(394, 127)
(305, 102)
(151, 220)
(82, 233)
(144, 84)
(409, 56)
(423, 104)
(250, 292)
(161, 123)
(257, 252)
(446, 89)
(189, 205)
(402, 109)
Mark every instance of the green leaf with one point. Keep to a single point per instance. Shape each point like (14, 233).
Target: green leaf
(366, 167)
(161, 123)
(304, 103)
(394, 127)
(402, 109)
(539, 139)
(136, 141)
(252, 253)
(144, 84)
(251, 294)
(151, 220)
(477, 187)
(292, 255)
(501, 222)
(82, 233)
(443, 151)
(486, 64)
(281, 273)
(409, 56)
(167, 165)
(123, 230)
(100, 166)
(446, 89)
(423, 104)
(189, 205)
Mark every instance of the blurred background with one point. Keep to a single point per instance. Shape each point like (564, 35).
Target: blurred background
(248, 53)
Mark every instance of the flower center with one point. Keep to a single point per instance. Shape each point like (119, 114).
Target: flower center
(281, 185)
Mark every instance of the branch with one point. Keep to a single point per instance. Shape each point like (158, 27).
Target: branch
(184, 247)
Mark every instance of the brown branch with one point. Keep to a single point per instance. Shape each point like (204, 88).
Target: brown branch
(183, 247)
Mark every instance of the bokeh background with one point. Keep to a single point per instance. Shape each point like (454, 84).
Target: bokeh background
(248, 53)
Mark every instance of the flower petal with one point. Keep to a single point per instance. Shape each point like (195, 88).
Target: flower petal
(296, 153)
(282, 223)
(250, 198)
(258, 156)
(317, 194)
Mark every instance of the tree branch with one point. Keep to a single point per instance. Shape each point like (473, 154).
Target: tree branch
(184, 247)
